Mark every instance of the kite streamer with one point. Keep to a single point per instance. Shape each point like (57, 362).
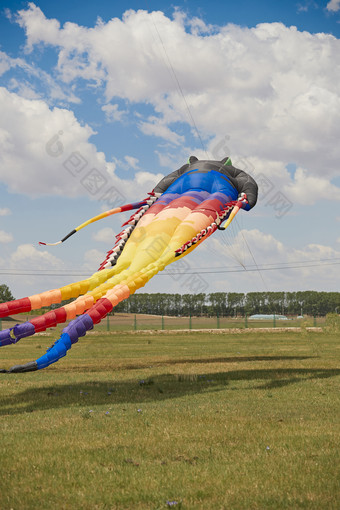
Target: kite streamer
(123, 208)
(184, 209)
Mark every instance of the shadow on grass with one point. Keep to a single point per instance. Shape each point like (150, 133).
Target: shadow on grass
(157, 388)
(214, 359)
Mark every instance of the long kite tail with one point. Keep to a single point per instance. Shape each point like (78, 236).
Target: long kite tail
(89, 290)
(119, 288)
(85, 322)
(101, 300)
(119, 292)
(64, 313)
(128, 207)
(51, 297)
(73, 290)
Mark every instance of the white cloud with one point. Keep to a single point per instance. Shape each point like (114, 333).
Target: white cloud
(6, 62)
(308, 4)
(157, 127)
(112, 112)
(26, 256)
(147, 180)
(37, 78)
(49, 153)
(132, 162)
(273, 89)
(5, 211)
(105, 235)
(268, 263)
(31, 271)
(92, 259)
(5, 237)
(307, 189)
(333, 5)
(23, 89)
(263, 247)
(47, 150)
(38, 27)
(267, 249)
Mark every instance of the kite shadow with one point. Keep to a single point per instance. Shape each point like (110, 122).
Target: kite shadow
(222, 359)
(93, 393)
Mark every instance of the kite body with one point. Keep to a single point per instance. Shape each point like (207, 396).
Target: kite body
(184, 209)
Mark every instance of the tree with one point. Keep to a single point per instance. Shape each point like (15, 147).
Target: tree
(255, 302)
(275, 302)
(218, 302)
(235, 303)
(231, 304)
(5, 294)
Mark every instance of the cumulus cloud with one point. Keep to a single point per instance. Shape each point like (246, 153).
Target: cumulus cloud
(49, 153)
(39, 83)
(132, 162)
(306, 189)
(26, 256)
(6, 62)
(48, 150)
(112, 112)
(105, 235)
(260, 260)
(30, 270)
(147, 180)
(333, 5)
(156, 127)
(5, 237)
(271, 88)
(23, 88)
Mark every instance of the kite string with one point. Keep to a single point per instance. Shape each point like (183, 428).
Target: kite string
(257, 267)
(179, 87)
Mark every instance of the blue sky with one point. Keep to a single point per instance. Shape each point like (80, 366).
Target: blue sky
(129, 90)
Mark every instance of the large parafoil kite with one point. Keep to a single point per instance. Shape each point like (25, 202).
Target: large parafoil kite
(185, 208)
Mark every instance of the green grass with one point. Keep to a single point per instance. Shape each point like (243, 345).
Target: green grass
(199, 421)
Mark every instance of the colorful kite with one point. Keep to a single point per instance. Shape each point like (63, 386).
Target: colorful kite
(185, 208)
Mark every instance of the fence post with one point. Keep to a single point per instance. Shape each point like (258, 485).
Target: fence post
(245, 320)
(314, 322)
(135, 323)
(107, 323)
(190, 324)
(217, 320)
(274, 321)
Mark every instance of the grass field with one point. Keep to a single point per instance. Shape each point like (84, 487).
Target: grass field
(191, 421)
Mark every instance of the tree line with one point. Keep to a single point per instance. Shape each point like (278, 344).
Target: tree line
(224, 304)
(233, 304)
